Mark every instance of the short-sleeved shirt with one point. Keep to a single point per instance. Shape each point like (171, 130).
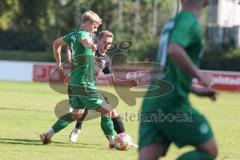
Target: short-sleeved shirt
(102, 64)
(184, 30)
(83, 60)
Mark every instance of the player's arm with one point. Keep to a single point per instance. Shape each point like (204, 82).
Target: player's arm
(57, 46)
(69, 54)
(117, 82)
(205, 92)
(181, 59)
(86, 43)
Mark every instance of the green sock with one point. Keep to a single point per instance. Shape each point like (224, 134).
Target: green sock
(62, 122)
(107, 126)
(195, 155)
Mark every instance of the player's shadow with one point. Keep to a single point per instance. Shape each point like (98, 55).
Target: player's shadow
(23, 141)
(39, 143)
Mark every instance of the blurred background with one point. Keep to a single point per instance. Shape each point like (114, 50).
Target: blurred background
(27, 28)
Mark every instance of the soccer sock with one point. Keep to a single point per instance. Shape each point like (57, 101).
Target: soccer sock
(118, 124)
(107, 127)
(62, 122)
(195, 155)
(50, 133)
(80, 121)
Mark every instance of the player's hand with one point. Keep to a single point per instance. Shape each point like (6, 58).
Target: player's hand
(206, 92)
(204, 79)
(60, 69)
(133, 83)
(94, 47)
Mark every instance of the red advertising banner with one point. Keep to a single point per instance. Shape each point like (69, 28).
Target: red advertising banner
(222, 80)
(42, 72)
(228, 81)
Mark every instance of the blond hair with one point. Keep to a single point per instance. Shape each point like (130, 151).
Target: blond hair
(105, 33)
(91, 17)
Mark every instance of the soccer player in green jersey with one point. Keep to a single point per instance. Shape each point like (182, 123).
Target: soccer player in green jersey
(103, 65)
(180, 50)
(82, 90)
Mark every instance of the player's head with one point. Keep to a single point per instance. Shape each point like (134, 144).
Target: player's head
(90, 21)
(105, 41)
(194, 5)
(202, 3)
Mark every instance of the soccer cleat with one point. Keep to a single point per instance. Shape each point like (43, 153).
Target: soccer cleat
(111, 146)
(73, 137)
(44, 138)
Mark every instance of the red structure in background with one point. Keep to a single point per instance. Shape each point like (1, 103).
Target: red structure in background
(221, 80)
(227, 81)
(42, 72)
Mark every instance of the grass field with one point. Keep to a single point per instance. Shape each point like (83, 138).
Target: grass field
(27, 109)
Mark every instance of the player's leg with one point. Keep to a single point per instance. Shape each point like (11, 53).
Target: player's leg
(76, 131)
(60, 124)
(153, 144)
(151, 152)
(80, 120)
(107, 123)
(117, 122)
(197, 133)
(96, 101)
(210, 147)
(205, 151)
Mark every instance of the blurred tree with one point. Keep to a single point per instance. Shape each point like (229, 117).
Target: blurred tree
(8, 10)
(138, 21)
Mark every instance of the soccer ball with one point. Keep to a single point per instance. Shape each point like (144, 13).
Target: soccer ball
(122, 141)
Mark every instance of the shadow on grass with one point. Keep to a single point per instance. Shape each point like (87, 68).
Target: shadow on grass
(15, 141)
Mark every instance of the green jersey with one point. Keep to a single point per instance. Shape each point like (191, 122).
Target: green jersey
(184, 30)
(163, 119)
(83, 62)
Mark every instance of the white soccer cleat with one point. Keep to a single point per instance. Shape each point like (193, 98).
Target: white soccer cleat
(73, 137)
(134, 145)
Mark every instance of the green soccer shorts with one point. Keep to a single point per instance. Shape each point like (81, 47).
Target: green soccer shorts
(185, 126)
(83, 96)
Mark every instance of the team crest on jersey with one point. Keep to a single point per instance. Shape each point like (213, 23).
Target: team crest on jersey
(73, 38)
(204, 128)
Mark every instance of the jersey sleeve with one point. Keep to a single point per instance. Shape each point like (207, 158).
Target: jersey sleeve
(84, 35)
(183, 32)
(107, 70)
(68, 38)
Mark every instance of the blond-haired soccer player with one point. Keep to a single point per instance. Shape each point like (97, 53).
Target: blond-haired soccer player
(82, 90)
(103, 65)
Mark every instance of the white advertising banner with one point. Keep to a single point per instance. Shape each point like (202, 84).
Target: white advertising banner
(16, 71)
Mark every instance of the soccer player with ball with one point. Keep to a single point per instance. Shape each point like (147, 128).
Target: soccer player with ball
(82, 90)
(102, 64)
(181, 47)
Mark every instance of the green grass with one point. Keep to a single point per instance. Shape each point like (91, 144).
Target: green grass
(27, 109)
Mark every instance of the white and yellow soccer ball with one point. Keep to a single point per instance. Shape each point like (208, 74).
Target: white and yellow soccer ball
(123, 142)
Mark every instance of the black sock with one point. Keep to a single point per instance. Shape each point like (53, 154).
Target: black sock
(118, 124)
(80, 120)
